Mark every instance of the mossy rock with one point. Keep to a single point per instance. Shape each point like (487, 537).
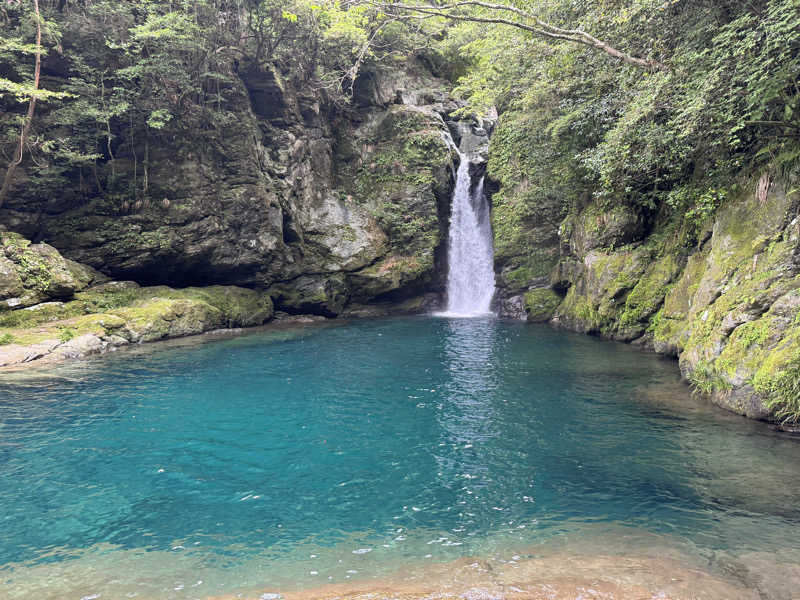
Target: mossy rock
(34, 273)
(669, 326)
(605, 227)
(402, 175)
(313, 294)
(525, 231)
(732, 315)
(393, 274)
(541, 304)
(159, 318)
(11, 285)
(239, 307)
(38, 314)
(762, 356)
(117, 313)
(595, 303)
(648, 294)
(521, 272)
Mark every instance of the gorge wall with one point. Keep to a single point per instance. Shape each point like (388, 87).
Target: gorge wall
(721, 294)
(324, 206)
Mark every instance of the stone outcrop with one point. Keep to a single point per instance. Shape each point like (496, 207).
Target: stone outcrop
(727, 305)
(79, 312)
(34, 273)
(323, 205)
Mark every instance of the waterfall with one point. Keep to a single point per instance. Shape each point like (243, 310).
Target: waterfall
(470, 280)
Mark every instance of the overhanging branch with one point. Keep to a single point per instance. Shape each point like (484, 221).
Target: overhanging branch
(529, 22)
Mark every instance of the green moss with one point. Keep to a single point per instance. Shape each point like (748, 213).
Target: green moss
(65, 334)
(672, 325)
(124, 238)
(406, 151)
(108, 298)
(34, 316)
(778, 378)
(239, 307)
(656, 321)
(649, 292)
(138, 314)
(783, 393)
(399, 174)
(406, 228)
(65, 329)
(100, 324)
(582, 313)
(389, 274)
(706, 379)
(541, 304)
(32, 268)
(524, 270)
(521, 224)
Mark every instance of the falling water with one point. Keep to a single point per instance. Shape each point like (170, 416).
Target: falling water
(470, 281)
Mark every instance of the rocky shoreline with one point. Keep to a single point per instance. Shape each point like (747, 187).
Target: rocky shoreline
(54, 309)
(722, 299)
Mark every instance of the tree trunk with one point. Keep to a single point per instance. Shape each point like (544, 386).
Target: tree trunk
(26, 125)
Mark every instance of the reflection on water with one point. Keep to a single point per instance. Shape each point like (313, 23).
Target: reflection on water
(392, 452)
(465, 413)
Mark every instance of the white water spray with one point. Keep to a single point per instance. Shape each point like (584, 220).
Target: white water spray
(470, 280)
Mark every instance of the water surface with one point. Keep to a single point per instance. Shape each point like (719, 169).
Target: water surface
(382, 451)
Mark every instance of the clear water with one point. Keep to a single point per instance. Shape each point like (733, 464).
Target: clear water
(286, 459)
(470, 253)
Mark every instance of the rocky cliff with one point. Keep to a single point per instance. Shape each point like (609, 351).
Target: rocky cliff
(723, 298)
(324, 206)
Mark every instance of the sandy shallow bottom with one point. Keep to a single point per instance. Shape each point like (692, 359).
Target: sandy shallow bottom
(552, 578)
(578, 573)
(569, 577)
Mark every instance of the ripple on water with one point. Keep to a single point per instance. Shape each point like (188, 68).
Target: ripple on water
(408, 454)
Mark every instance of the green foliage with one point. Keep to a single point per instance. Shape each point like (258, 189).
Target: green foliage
(65, 334)
(577, 126)
(664, 141)
(6, 339)
(130, 74)
(705, 379)
(784, 393)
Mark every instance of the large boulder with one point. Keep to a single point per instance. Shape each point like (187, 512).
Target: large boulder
(34, 273)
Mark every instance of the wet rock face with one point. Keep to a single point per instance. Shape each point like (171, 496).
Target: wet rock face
(356, 199)
(472, 138)
(34, 273)
(727, 308)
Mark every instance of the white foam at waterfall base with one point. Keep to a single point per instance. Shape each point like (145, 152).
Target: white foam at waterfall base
(470, 279)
